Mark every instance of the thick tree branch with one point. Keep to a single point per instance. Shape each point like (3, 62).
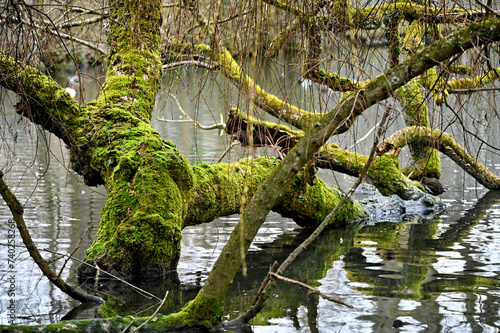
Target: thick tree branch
(218, 192)
(445, 143)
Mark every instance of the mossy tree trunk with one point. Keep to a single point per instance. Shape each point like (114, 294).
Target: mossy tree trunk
(148, 182)
(424, 160)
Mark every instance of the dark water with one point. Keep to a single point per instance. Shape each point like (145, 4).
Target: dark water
(438, 275)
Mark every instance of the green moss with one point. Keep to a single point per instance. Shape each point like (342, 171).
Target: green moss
(148, 190)
(333, 80)
(219, 188)
(425, 160)
(413, 38)
(431, 80)
(310, 205)
(117, 324)
(202, 312)
(384, 173)
(148, 181)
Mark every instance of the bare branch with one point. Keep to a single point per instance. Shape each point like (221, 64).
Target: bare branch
(63, 35)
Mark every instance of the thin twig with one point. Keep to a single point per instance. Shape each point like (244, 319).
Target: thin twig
(265, 282)
(220, 126)
(130, 324)
(77, 246)
(197, 63)
(234, 143)
(153, 315)
(363, 138)
(63, 35)
(314, 290)
(488, 8)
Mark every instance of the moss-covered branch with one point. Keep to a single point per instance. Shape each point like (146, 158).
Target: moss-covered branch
(333, 80)
(445, 143)
(161, 323)
(264, 133)
(264, 100)
(441, 87)
(43, 101)
(478, 81)
(384, 173)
